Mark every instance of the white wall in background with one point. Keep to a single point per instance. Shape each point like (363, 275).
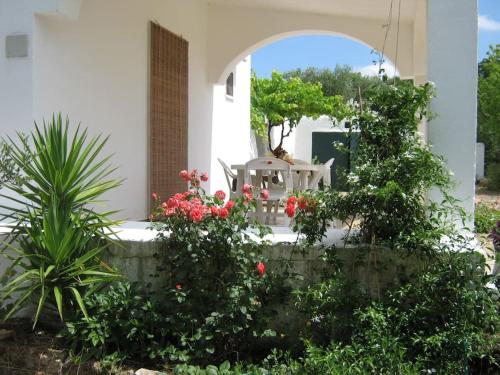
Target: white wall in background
(16, 99)
(231, 134)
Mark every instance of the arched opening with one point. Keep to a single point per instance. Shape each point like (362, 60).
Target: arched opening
(233, 140)
(272, 40)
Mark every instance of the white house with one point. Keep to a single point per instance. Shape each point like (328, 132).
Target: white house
(100, 62)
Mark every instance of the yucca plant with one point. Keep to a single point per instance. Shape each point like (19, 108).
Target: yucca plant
(57, 236)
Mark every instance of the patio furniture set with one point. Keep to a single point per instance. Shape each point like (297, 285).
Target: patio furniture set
(279, 177)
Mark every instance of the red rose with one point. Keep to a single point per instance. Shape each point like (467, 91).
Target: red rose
(302, 203)
(291, 200)
(178, 286)
(196, 214)
(261, 267)
(223, 213)
(220, 194)
(290, 210)
(204, 176)
(184, 175)
(214, 211)
(154, 196)
(229, 205)
(264, 194)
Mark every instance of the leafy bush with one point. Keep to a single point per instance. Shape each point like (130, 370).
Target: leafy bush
(444, 316)
(329, 307)
(493, 177)
(57, 237)
(9, 171)
(391, 175)
(217, 285)
(485, 218)
(125, 322)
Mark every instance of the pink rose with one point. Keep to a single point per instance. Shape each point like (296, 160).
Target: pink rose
(247, 188)
(196, 214)
(229, 204)
(220, 195)
(196, 202)
(179, 196)
(185, 206)
(184, 175)
(248, 196)
(214, 211)
(204, 176)
(172, 203)
(264, 194)
(169, 212)
(154, 196)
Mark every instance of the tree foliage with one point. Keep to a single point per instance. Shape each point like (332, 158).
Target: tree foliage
(341, 81)
(489, 105)
(280, 102)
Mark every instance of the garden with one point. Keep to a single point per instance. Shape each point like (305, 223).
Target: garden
(405, 293)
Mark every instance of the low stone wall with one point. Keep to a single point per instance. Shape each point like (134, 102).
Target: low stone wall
(138, 258)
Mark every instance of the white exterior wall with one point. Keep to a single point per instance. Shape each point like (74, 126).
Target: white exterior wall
(231, 133)
(95, 69)
(452, 66)
(16, 100)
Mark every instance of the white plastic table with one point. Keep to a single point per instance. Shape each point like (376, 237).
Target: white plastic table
(305, 171)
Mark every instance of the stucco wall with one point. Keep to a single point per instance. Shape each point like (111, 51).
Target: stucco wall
(96, 70)
(16, 99)
(231, 139)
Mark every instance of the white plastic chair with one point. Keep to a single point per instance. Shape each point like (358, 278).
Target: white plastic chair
(324, 174)
(268, 171)
(231, 179)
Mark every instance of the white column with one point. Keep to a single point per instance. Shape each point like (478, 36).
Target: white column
(452, 66)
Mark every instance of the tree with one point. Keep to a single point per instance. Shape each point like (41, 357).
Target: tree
(489, 104)
(340, 81)
(280, 102)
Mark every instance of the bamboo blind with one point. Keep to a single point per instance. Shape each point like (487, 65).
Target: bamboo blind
(168, 111)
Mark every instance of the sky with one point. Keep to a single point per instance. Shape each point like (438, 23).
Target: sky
(328, 51)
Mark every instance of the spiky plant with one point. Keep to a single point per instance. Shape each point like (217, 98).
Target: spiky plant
(57, 236)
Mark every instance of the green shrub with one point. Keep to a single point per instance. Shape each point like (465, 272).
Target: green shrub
(329, 307)
(493, 177)
(442, 317)
(485, 218)
(10, 172)
(391, 175)
(125, 322)
(217, 287)
(57, 237)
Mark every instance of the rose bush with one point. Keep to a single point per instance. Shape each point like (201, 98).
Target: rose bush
(217, 288)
